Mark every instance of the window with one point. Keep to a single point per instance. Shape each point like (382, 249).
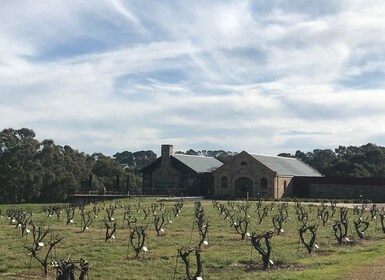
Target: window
(284, 186)
(244, 163)
(263, 183)
(224, 182)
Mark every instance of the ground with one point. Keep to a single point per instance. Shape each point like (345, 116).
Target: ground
(374, 271)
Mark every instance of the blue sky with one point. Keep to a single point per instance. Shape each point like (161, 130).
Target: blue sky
(262, 76)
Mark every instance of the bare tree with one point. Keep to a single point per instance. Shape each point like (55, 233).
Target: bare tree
(263, 249)
(241, 225)
(177, 208)
(262, 214)
(302, 215)
(184, 254)
(137, 238)
(312, 229)
(96, 210)
(70, 215)
(86, 222)
(38, 235)
(277, 222)
(146, 213)
(340, 230)
(110, 212)
(129, 218)
(159, 220)
(361, 226)
(373, 212)
(110, 230)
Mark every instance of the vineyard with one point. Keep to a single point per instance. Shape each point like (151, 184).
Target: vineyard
(148, 238)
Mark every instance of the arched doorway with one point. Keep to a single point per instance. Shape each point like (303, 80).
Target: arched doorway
(242, 185)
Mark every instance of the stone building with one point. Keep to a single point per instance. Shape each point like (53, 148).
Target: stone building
(176, 174)
(263, 175)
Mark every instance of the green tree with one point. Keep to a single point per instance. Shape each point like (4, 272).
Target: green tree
(18, 179)
(107, 169)
(136, 160)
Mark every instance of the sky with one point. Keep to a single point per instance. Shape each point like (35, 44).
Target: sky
(261, 76)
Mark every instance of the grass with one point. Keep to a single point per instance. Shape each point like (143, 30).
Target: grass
(225, 257)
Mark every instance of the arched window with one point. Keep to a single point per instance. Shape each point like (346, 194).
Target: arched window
(263, 183)
(244, 163)
(224, 182)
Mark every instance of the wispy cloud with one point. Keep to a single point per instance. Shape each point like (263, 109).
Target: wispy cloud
(266, 76)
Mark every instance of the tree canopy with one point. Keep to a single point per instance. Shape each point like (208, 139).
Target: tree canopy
(352, 161)
(136, 160)
(32, 171)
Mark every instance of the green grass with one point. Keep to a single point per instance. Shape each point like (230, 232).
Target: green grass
(226, 256)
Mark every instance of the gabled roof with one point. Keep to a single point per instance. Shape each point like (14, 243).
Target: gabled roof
(199, 164)
(285, 166)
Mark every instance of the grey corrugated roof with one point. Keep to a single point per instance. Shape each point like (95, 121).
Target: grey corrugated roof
(286, 166)
(199, 164)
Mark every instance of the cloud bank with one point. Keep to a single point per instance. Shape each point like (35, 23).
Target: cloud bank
(262, 76)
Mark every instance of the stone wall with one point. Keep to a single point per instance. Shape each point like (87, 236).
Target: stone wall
(166, 177)
(284, 187)
(244, 166)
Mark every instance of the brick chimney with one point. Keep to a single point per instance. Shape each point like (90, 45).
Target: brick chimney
(167, 152)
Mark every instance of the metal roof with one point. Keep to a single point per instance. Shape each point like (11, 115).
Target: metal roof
(199, 164)
(286, 166)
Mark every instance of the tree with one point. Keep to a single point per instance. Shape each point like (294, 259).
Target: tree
(62, 168)
(107, 170)
(18, 149)
(135, 161)
(285, 155)
(364, 161)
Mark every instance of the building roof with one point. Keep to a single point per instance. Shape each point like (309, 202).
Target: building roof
(285, 166)
(199, 164)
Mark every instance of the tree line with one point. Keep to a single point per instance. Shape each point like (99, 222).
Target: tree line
(33, 171)
(353, 161)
